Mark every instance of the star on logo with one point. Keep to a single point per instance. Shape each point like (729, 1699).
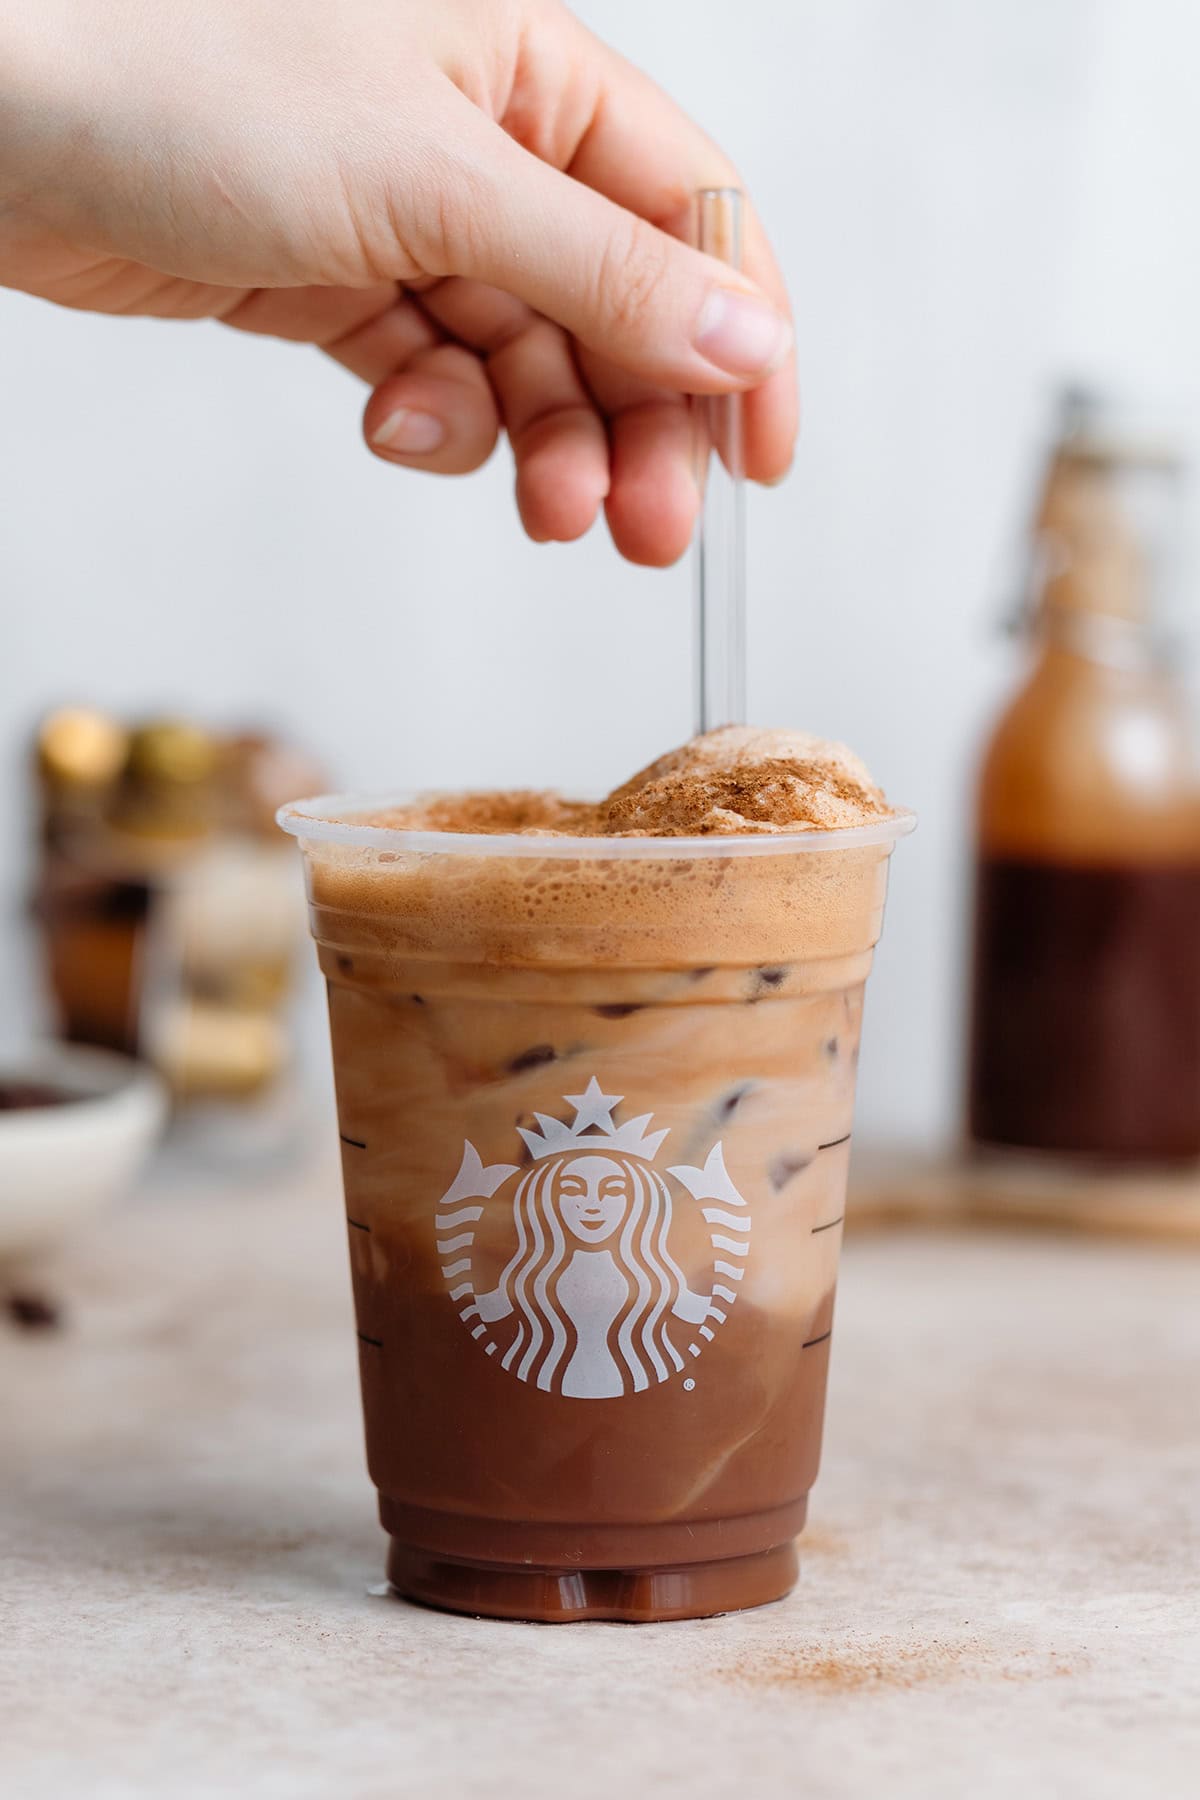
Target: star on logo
(594, 1128)
(592, 1108)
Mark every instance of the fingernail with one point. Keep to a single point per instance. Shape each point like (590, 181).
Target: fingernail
(411, 433)
(741, 335)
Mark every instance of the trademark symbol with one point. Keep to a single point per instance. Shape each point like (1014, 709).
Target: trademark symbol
(688, 1385)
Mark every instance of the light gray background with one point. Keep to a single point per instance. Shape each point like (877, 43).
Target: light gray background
(969, 201)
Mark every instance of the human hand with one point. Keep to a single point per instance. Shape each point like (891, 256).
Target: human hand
(475, 206)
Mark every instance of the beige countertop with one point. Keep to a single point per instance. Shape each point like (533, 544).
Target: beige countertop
(1000, 1591)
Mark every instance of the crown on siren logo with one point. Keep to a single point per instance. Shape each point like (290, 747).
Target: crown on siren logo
(593, 1128)
(591, 1300)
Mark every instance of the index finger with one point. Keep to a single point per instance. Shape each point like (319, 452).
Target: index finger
(641, 150)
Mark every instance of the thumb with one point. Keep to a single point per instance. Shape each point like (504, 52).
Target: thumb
(623, 288)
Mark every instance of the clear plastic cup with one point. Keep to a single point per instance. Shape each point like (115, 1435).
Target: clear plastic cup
(595, 1101)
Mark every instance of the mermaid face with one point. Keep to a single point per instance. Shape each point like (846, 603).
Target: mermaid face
(593, 1197)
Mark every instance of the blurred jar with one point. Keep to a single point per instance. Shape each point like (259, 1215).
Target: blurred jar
(1085, 1028)
(79, 754)
(91, 913)
(171, 915)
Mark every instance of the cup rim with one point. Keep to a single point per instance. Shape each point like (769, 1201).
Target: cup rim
(310, 821)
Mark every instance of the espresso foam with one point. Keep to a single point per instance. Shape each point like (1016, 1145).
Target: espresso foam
(632, 911)
(738, 780)
(729, 783)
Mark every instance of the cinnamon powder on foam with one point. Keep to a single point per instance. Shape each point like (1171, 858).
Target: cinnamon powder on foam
(732, 782)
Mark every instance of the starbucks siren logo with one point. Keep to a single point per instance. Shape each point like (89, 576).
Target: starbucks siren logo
(591, 1300)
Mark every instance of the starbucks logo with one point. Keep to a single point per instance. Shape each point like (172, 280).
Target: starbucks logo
(591, 1302)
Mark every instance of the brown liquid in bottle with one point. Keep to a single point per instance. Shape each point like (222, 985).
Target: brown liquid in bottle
(1085, 1032)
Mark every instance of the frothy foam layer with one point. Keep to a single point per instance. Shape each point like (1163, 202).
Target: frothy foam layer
(643, 907)
(732, 782)
(740, 780)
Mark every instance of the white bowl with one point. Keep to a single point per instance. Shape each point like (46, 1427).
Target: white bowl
(61, 1163)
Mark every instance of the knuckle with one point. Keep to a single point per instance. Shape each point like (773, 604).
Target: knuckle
(457, 203)
(634, 268)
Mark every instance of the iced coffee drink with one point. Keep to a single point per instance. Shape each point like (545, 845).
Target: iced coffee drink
(595, 1075)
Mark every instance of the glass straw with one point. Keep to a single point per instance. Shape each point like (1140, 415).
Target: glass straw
(719, 550)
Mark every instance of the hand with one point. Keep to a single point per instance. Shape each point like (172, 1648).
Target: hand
(474, 205)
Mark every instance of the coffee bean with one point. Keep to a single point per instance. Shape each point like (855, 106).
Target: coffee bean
(32, 1312)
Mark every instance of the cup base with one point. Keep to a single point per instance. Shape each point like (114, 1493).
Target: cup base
(564, 1596)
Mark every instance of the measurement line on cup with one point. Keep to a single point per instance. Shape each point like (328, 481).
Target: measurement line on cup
(357, 1224)
(377, 1343)
(834, 1142)
(818, 1340)
(828, 1225)
(355, 1143)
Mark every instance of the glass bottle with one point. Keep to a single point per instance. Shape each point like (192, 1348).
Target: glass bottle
(1085, 1027)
